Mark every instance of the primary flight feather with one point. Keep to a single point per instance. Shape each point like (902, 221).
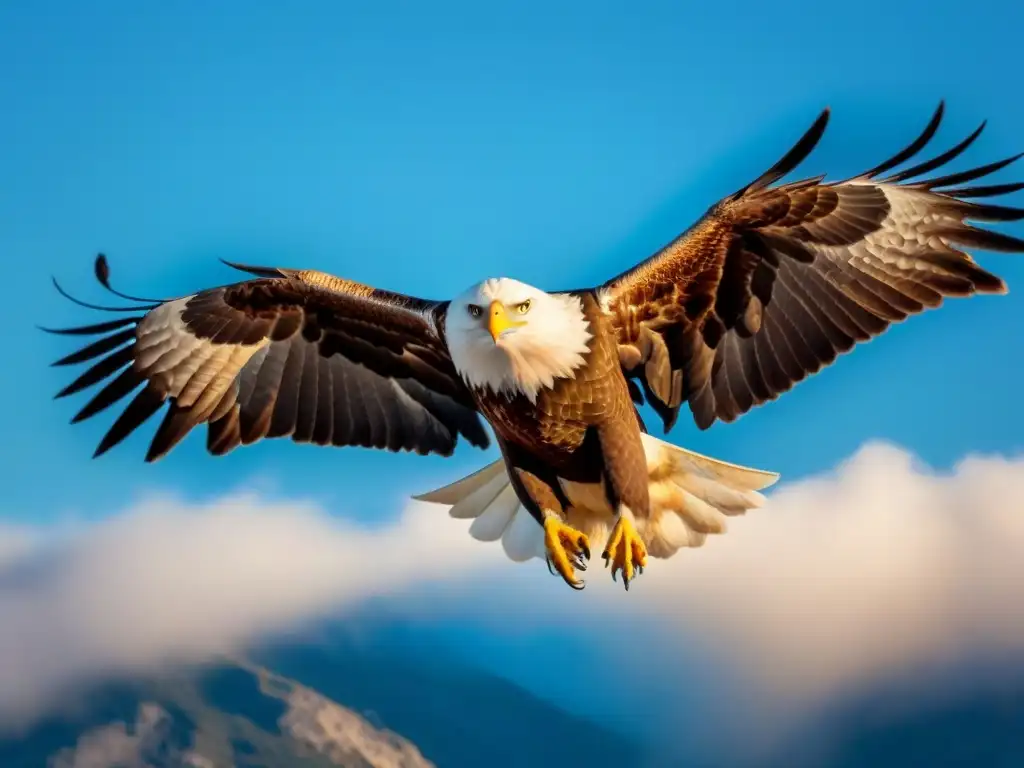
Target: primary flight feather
(771, 285)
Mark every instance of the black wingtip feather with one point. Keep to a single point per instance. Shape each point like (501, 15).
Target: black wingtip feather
(984, 239)
(101, 268)
(937, 161)
(988, 190)
(139, 410)
(87, 305)
(792, 158)
(114, 391)
(97, 348)
(108, 366)
(912, 148)
(92, 330)
(254, 270)
(990, 212)
(970, 174)
(177, 423)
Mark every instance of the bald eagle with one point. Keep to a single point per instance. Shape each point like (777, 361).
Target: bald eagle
(768, 287)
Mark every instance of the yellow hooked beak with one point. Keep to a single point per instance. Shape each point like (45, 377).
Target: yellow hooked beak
(498, 320)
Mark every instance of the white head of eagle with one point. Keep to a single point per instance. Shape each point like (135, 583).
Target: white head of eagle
(506, 336)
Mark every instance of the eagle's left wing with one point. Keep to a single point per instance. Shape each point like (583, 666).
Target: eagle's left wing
(289, 353)
(774, 282)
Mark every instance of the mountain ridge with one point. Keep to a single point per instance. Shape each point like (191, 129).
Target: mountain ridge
(346, 709)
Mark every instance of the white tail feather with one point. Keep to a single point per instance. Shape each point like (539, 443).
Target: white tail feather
(523, 539)
(496, 516)
(454, 493)
(691, 496)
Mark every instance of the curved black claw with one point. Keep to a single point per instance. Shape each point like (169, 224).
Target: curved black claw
(625, 579)
(575, 584)
(567, 550)
(625, 552)
(637, 570)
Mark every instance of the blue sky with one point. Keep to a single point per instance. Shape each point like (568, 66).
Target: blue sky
(422, 150)
(421, 147)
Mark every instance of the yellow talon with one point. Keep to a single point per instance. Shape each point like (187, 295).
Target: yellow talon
(568, 549)
(625, 551)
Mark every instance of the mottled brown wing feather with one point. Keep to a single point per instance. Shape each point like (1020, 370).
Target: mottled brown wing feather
(297, 354)
(774, 282)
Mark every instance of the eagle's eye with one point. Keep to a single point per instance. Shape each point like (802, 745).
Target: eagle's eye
(474, 310)
(523, 307)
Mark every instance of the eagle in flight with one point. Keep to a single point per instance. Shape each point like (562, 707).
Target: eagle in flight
(768, 287)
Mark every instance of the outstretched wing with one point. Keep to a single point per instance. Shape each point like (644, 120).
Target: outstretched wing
(774, 282)
(291, 353)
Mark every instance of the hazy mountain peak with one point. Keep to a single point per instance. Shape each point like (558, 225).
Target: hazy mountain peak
(230, 716)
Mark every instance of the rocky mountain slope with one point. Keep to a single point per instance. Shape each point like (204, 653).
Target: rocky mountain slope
(337, 706)
(370, 708)
(232, 715)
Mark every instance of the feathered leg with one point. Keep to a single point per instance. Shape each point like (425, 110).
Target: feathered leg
(625, 466)
(568, 549)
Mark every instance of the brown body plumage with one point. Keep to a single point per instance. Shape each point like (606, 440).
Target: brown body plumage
(584, 429)
(768, 287)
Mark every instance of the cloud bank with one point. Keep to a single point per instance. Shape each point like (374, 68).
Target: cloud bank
(165, 581)
(838, 580)
(858, 572)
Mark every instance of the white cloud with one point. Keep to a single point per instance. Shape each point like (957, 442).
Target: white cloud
(838, 580)
(878, 570)
(16, 541)
(168, 582)
(858, 573)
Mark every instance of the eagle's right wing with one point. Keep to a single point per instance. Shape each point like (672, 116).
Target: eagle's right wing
(777, 280)
(291, 353)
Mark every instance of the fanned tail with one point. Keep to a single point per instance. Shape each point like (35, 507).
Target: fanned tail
(691, 496)
(488, 499)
